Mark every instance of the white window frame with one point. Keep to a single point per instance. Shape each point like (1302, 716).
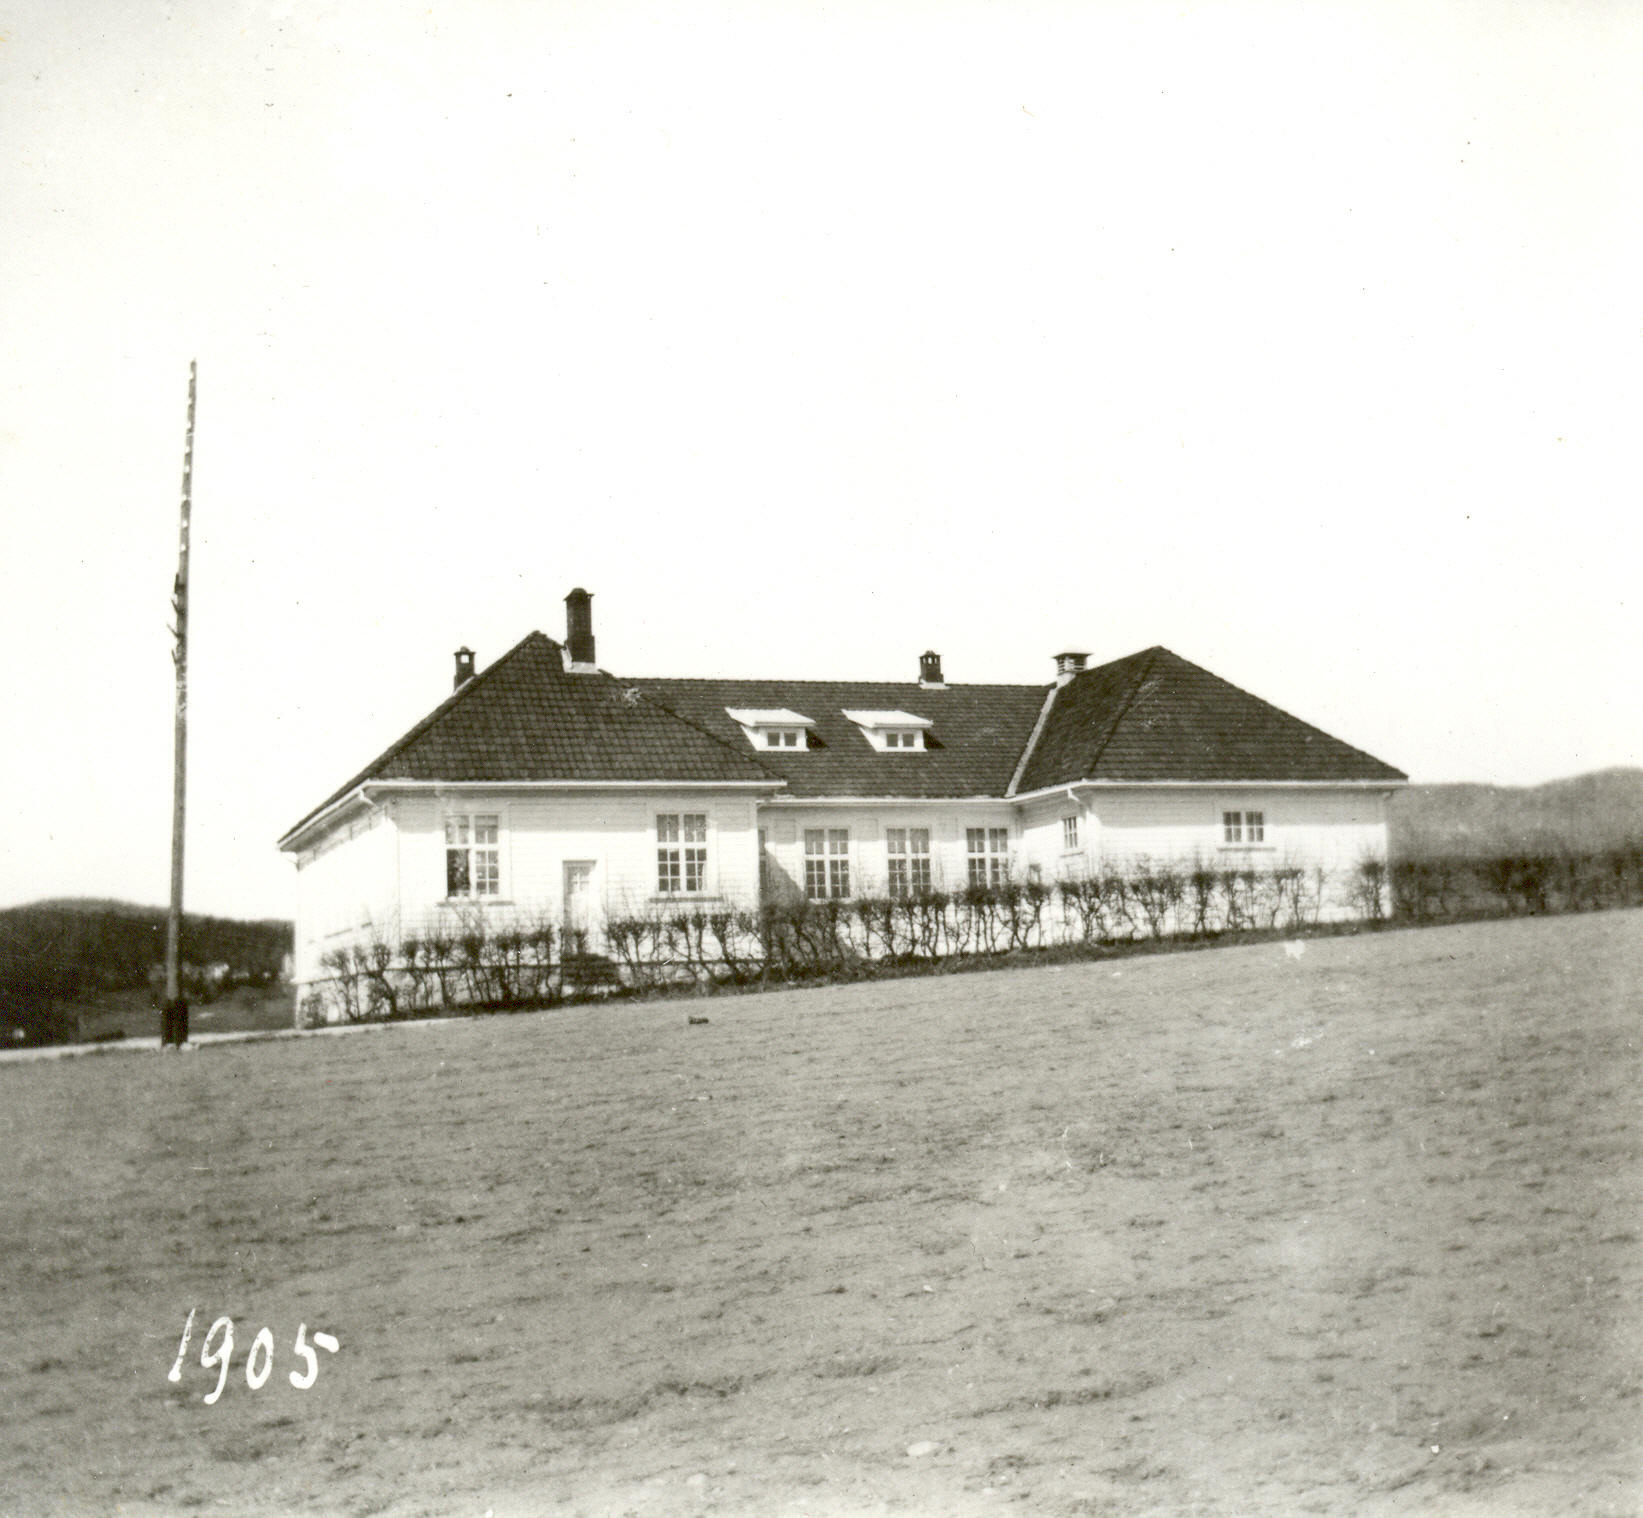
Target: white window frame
(907, 862)
(484, 860)
(1069, 834)
(827, 864)
(682, 854)
(1243, 828)
(992, 857)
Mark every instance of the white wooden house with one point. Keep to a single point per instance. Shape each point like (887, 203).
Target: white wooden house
(546, 787)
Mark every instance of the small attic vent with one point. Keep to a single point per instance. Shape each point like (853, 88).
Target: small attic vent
(1069, 664)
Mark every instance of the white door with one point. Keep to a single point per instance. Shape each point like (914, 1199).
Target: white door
(579, 906)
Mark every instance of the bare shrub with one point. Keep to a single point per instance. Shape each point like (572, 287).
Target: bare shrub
(341, 989)
(1036, 897)
(735, 941)
(1290, 896)
(1156, 891)
(382, 985)
(1201, 885)
(1421, 889)
(981, 909)
(1082, 906)
(1369, 888)
(1236, 912)
(879, 925)
(639, 943)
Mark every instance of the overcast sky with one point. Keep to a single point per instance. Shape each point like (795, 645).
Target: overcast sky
(1300, 338)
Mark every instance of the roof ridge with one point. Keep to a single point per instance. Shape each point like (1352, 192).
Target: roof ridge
(1023, 685)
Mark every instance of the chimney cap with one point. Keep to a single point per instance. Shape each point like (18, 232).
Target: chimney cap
(929, 670)
(464, 667)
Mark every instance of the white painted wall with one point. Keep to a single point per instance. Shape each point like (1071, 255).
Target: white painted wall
(784, 824)
(1042, 837)
(384, 871)
(1305, 826)
(391, 879)
(344, 885)
(543, 831)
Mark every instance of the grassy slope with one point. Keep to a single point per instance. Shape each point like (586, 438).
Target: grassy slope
(1227, 1232)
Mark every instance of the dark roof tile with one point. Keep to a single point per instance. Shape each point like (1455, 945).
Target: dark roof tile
(1150, 717)
(526, 718)
(1154, 716)
(974, 742)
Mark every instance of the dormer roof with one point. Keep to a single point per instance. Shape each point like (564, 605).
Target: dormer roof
(881, 720)
(767, 716)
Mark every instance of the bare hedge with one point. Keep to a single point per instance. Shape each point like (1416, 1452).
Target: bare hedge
(482, 966)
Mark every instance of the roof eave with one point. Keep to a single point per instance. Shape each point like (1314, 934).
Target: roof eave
(974, 798)
(325, 815)
(1061, 787)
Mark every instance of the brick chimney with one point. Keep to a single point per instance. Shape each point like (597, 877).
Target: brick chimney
(579, 633)
(1069, 664)
(929, 670)
(464, 667)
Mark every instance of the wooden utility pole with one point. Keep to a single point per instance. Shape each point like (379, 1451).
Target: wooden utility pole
(174, 1016)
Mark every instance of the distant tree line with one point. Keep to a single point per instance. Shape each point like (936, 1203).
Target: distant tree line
(53, 956)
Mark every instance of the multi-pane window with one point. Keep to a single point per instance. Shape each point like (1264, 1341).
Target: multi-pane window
(1243, 827)
(909, 854)
(781, 737)
(1069, 833)
(989, 855)
(826, 863)
(473, 854)
(681, 852)
(895, 738)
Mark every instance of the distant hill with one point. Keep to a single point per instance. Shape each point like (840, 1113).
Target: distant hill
(1595, 811)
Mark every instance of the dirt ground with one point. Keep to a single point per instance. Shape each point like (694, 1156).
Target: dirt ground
(1349, 1231)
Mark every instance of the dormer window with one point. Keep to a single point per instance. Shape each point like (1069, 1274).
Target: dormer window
(892, 732)
(772, 728)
